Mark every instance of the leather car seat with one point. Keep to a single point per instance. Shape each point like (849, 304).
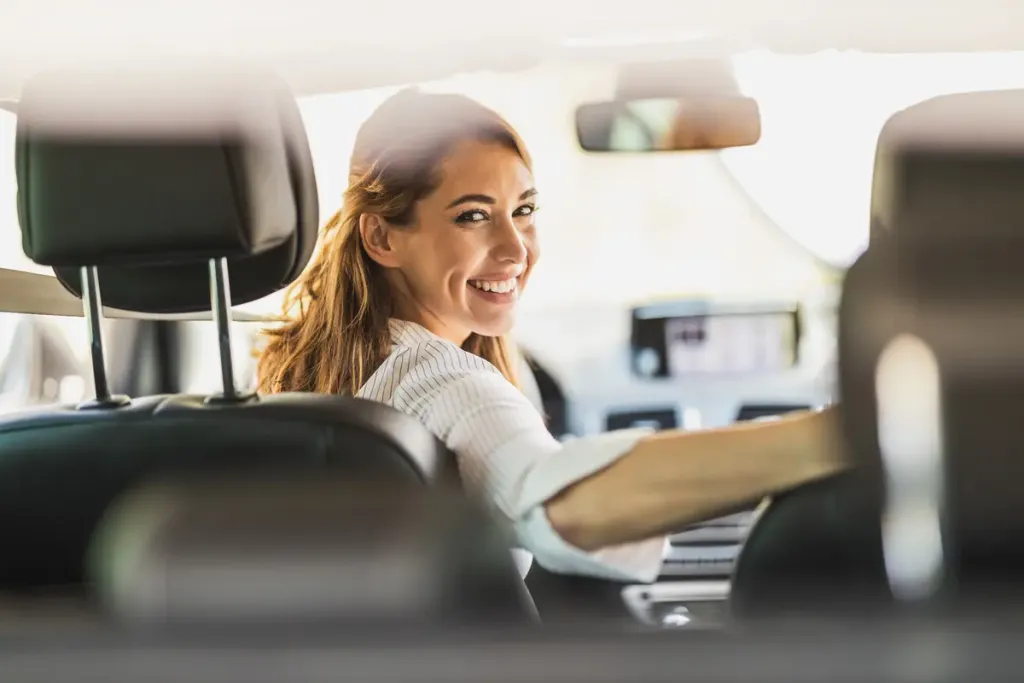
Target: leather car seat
(942, 271)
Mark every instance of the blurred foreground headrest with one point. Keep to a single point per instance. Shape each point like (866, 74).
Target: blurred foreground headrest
(950, 170)
(149, 174)
(306, 549)
(931, 345)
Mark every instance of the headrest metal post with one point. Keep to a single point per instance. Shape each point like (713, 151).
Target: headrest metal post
(220, 299)
(93, 310)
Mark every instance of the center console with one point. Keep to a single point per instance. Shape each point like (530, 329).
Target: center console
(700, 344)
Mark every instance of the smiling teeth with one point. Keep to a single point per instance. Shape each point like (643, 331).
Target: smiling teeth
(499, 286)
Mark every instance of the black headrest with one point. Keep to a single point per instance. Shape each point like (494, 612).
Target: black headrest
(950, 166)
(931, 361)
(930, 364)
(150, 175)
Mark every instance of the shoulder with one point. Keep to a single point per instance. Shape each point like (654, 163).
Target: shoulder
(430, 369)
(445, 359)
(462, 398)
(417, 372)
(441, 384)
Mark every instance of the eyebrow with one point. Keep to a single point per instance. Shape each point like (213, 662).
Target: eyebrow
(487, 199)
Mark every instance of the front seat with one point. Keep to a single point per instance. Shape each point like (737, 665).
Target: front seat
(152, 194)
(941, 274)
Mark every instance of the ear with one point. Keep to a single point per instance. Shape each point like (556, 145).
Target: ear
(376, 236)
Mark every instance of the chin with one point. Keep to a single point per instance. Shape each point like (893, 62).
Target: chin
(494, 327)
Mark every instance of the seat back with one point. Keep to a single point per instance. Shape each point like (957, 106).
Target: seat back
(818, 548)
(61, 467)
(936, 384)
(311, 548)
(164, 197)
(931, 388)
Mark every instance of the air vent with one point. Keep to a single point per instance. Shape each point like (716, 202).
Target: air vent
(657, 418)
(755, 411)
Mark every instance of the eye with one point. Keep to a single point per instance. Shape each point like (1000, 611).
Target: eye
(472, 216)
(526, 210)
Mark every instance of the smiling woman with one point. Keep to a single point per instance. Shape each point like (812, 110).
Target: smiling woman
(407, 302)
(471, 285)
(372, 267)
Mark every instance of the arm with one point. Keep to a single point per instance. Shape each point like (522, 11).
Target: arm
(675, 478)
(597, 505)
(506, 453)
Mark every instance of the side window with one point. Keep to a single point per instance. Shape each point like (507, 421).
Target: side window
(11, 254)
(201, 373)
(42, 358)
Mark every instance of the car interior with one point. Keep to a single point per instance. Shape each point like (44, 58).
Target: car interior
(750, 209)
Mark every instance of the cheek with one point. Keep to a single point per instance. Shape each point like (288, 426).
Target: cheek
(461, 254)
(532, 249)
(442, 266)
(429, 251)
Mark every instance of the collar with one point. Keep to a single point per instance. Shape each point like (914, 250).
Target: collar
(407, 333)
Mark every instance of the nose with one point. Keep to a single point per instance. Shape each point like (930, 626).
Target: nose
(511, 245)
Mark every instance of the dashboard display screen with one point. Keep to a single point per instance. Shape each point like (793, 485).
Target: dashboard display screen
(699, 340)
(758, 342)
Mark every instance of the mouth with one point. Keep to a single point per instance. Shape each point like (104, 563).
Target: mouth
(495, 291)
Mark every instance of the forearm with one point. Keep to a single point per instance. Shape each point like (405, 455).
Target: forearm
(675, 478)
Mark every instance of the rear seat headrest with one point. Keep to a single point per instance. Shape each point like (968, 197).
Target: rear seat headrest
(948, 164)
(149, 176)
(305, 546)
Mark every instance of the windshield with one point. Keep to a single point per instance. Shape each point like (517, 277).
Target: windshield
(810, 175)
(821, 114)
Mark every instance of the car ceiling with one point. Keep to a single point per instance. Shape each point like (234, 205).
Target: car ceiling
(332, 46)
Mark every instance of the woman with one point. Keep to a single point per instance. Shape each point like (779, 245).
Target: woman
(407, 302)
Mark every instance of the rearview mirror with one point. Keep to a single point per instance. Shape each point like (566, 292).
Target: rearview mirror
(704, 122)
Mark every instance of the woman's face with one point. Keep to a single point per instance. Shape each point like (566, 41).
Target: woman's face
(464, 262)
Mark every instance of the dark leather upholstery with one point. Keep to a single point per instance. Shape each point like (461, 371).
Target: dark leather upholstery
(304, 546)
(815, 550)
(61, 467)
(235, 180)
(948, 171)
(948, 273)
(943, 265)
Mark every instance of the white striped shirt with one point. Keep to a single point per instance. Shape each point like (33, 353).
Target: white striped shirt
(504, 449)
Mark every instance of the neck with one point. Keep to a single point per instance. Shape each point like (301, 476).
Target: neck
(432, 323)
(405, 307)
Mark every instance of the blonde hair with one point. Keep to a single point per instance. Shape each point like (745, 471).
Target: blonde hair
(335, 332)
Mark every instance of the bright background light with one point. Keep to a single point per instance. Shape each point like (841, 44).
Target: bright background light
(617, 228)
(821, 115)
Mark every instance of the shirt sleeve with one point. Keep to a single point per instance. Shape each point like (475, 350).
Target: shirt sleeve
(506, 452)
